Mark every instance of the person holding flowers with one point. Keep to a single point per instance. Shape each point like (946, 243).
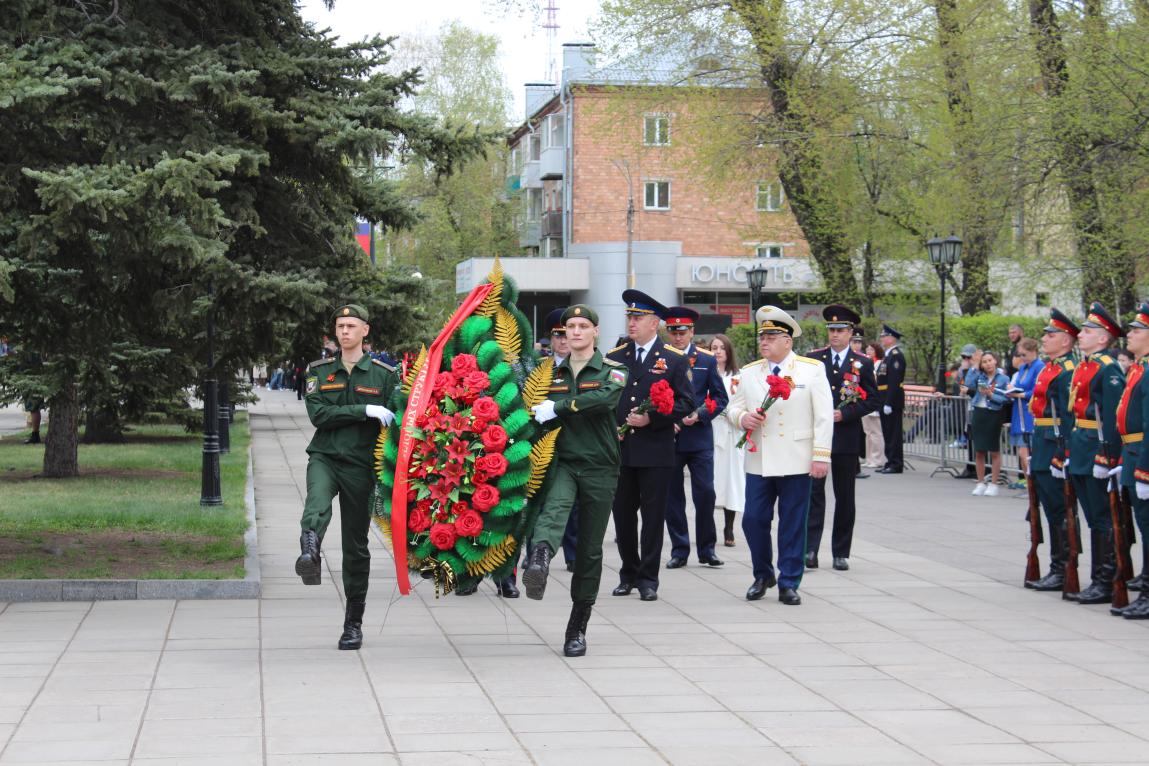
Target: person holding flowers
(348, 397)
(855, 392)
(648, 456)
(584, 392)
(790, 443)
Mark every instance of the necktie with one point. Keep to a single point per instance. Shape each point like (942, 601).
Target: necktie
(777, 369)
(837, 363)
(641, 353)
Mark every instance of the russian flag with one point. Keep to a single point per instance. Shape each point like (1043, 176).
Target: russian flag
(363, 235)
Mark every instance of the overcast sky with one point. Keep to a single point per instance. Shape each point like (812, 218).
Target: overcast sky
(524, 40)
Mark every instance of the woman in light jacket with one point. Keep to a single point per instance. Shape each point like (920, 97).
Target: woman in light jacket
(872, 423)
(729, 475)
(985, 420)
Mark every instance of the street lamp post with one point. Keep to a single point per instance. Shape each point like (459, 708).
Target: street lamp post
(756, 278)
(944, 254)
(210, 493)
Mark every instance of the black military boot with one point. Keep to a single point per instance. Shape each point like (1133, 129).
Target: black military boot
(1058, 553)
(1100, 590)
(352, 637)
(1139, 609)
(575, 645)
(309, 566)
(538, 567)
(1138, 582)
(33, 439)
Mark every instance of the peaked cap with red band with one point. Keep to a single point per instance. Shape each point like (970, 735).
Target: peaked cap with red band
(1101, 319)
(1059, 322)
(680, 318)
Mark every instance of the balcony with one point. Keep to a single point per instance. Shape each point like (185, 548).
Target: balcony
(529, 234)
(530, 178)
(551, 163)
(552, 224)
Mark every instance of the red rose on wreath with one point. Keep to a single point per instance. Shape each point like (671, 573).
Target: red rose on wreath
(485, 408)
(459, 508)
(479, 477)
(479, 425)
(442, 381)
(494, 439)
(492, 465)
(464, 363)
(418, 520)
(443, 536)
(485, 497)
(469, 524)
(476, 381)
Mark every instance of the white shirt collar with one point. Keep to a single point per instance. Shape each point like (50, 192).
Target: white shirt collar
(646, 347)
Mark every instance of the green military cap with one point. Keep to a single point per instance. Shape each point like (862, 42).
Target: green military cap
(580, 310)
(350, 310)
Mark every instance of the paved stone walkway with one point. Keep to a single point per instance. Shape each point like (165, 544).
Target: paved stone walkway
(927, 651)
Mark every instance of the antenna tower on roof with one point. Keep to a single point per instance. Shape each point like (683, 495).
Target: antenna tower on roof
(552, 27)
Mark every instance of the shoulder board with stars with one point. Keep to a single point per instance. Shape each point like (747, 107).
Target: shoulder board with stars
(1068, 365)
(703, 351)
(321, 362)
(611, 362)
(384, 365)
(669, 347)
(617, 348)
(807, 360)
(1105, 358)
(755, 363)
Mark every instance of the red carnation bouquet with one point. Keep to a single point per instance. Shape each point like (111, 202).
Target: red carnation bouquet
(458, 453)
(776, 388)
(661, 400)
(851, 391)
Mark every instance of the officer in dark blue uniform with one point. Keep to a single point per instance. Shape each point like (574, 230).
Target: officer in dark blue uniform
(852, 383)
(891, 373)
(648, 457)
(694, 448)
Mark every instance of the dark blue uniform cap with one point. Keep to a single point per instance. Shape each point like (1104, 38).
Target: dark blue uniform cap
(639, 303)
(1101, 319)
(887, 330)
(680, 318)
(554, 322)
(1059, 322)
(839, 317)
(1140, 320)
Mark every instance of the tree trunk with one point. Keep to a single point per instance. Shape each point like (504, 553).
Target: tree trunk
(974, 295)
(103, 426)
(61, 448)
(868, 279)
(800, 167)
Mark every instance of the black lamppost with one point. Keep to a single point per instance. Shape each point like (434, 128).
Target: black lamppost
(210, 493)
(756, 278)
(944, 255)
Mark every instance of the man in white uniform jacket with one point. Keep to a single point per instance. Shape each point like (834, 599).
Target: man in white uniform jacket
(793, 441)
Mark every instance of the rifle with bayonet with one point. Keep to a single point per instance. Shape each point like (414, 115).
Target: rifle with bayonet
(1123, 569)
(1032, 567)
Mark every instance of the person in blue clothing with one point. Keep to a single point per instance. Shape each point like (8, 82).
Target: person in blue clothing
(694, 448)
(1021, 419)
(985, 421)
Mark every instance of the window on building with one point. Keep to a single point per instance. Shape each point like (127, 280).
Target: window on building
(554, 133)
(769, 251)
(535, 147)
(769, 197)
(534, 205)
(1043, 300)
(552, 247)
(656, 130)
(513, 162)
(657, 195)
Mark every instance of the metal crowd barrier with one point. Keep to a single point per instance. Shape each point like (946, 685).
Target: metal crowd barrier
(935, 428)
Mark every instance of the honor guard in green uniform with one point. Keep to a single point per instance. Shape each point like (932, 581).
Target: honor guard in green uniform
(1049, 404)
(584, 392)
(1132, 419)
(348, 397)
(1095, 445)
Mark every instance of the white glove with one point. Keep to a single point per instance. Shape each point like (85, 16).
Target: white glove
(887, 410)
(1115, 472)
(1142, 491)
(544, 411)
(1057, 472)
(381, 413)
(1100, 472)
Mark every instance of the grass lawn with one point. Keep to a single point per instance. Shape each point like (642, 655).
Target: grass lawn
(132, 513)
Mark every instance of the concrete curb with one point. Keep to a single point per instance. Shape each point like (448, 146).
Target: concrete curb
(131, 590)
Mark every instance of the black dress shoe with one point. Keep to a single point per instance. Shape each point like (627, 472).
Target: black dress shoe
(789, 597)
(1052, 581)
(646, 593)
(711, 561)
(841, 564)
(888, 470)
(861, 476)
(623, 589)
(467, 590)
(756, 590)
(811, 560)
(507, 587)
(676, 562)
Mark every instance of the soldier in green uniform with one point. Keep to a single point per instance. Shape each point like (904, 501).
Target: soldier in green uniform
(1095, 445)
(1049, 405)
(584, 392)
(348, 397)
(1132, 419)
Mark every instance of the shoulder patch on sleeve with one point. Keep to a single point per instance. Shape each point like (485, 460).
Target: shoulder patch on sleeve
(384, 365)
(755, 363)
(321, 362)
(618, 376)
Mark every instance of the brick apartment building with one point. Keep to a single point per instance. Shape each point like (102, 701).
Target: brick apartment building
(607, 138)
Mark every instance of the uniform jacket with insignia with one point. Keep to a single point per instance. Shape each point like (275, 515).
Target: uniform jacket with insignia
(337, 406)
(890, 374)
(585, 409)
(652, 445)
(1095, 391)
(1132, 416)
(707, 382)
(859, 368)
(1049, 406)
(798, 430)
